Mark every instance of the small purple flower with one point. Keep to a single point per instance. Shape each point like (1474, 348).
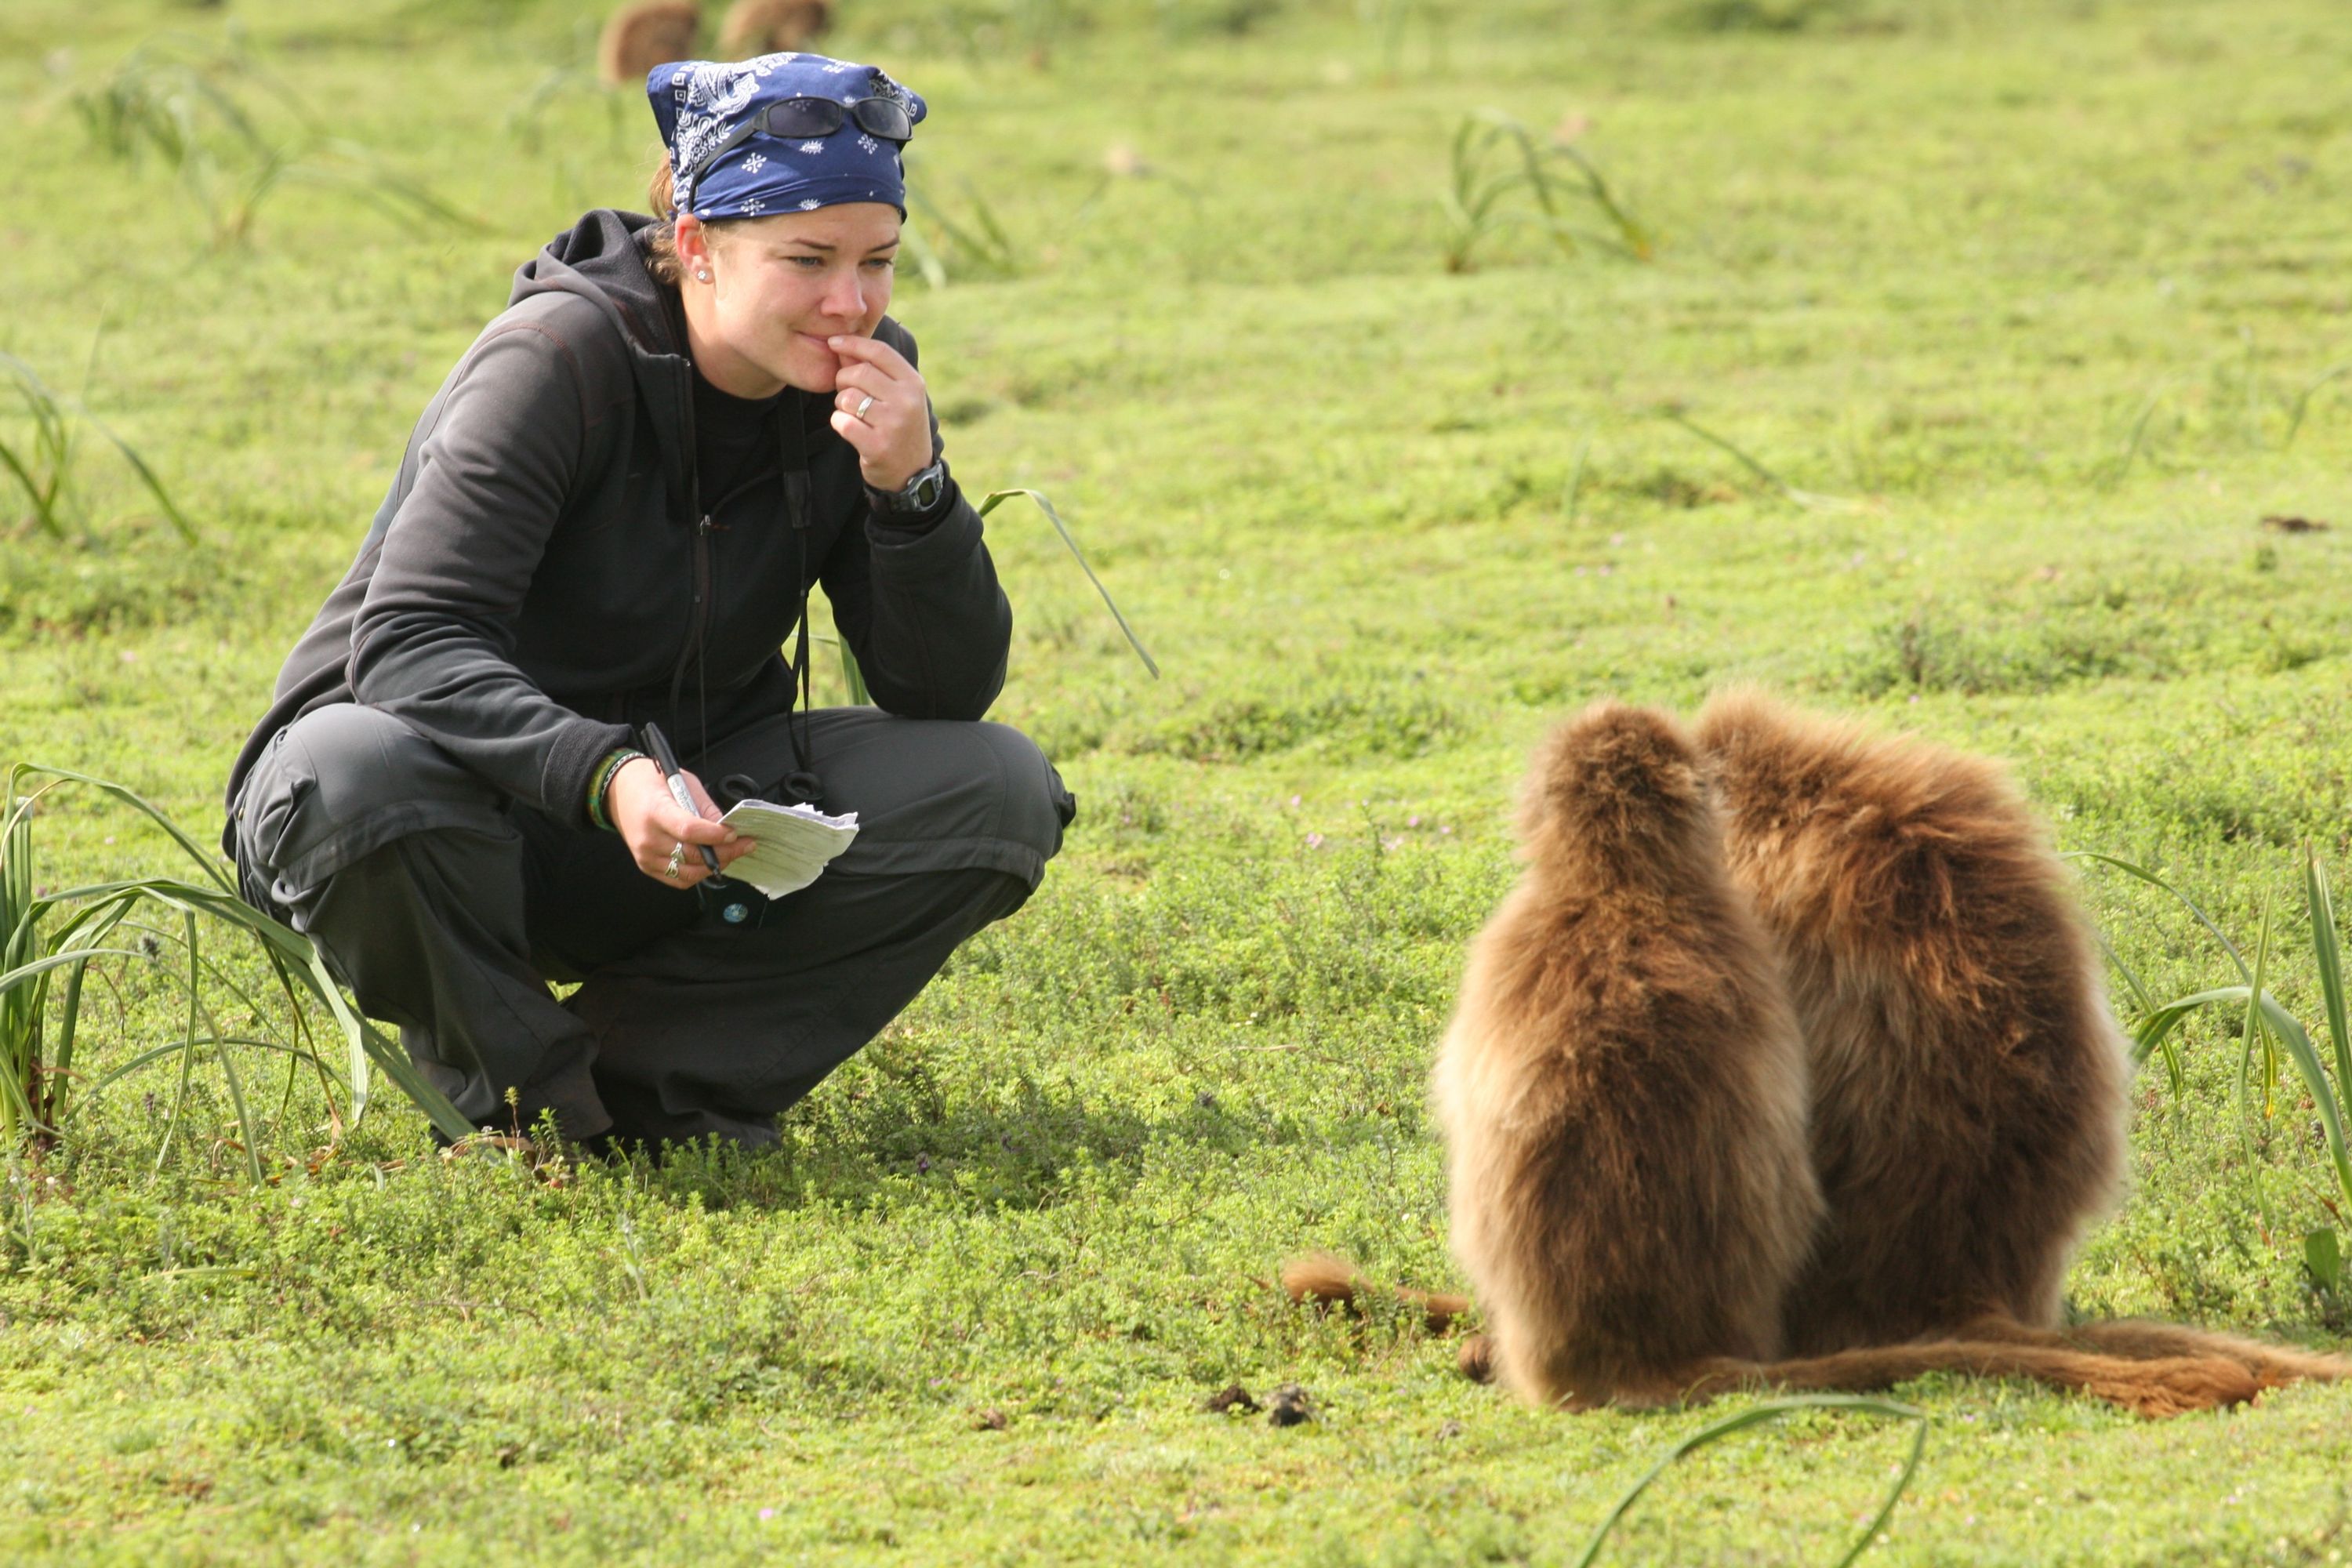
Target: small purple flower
(1447, 828)
(1294, 800)
(1315, 841)
(1413, 822)
(766, 1514)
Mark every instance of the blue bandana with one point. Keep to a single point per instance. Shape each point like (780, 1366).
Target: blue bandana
(698, 102)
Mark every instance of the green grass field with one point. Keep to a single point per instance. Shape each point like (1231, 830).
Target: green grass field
(2046, 297)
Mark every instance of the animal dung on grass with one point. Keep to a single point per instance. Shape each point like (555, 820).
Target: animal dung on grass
(1289, 1406)
(772, 26)
(638, 38)
(1231, 1398)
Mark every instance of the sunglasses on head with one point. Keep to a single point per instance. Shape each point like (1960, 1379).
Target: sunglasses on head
(801, 117)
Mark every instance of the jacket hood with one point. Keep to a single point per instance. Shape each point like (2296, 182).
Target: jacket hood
(602, 257)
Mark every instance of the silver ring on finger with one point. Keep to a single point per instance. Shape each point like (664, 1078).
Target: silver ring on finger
(676, 862)
(863, 403)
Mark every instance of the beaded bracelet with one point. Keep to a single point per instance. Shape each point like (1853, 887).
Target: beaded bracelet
(612, 764)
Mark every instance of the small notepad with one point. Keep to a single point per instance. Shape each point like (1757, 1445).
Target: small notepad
(795, 843)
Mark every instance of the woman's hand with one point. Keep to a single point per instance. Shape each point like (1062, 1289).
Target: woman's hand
(638, 804)
(893, 436)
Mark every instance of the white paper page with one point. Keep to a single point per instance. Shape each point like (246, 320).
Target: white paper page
(795, 842)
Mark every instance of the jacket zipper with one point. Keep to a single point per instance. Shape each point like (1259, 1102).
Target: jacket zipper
(692, 649)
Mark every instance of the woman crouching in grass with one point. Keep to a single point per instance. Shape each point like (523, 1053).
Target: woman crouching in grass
(612, 513)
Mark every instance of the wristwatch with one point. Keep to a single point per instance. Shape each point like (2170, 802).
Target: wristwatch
(918, 494)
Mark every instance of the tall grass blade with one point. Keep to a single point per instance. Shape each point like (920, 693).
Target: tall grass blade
(2252, 1029)
(2302, 404)
(1758, 1415)
(2138, 436)
(2291, 1036)
(229, 1075)
(46, 474)
(2328, 951)
(154, 1054)
(1809, 500)
(996, 497)
(2131, 869)
(927, 264)
(1632, 236)
(2146, 1007)
(990, 251)
(170, 508)
(1575, 492)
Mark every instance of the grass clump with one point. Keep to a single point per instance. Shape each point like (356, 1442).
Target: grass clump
(1498, 166)
(55, 941)
(189, 105)
(43, 464)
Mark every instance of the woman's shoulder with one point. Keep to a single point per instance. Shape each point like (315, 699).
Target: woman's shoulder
(557, 334)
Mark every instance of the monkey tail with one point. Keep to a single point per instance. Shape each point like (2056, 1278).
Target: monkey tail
(1331, 1280)
(2156, 1387)
(2272, 1367)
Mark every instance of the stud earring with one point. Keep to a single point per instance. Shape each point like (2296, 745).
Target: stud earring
(700, 276)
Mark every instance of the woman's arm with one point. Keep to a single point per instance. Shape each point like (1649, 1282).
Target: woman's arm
(916, 600)
(434, 643)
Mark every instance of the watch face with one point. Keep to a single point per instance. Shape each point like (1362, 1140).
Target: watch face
(926, 492)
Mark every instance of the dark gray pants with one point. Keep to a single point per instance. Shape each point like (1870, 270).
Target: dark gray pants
(448, 909)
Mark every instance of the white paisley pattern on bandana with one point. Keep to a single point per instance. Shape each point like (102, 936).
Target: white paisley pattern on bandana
(704, 105)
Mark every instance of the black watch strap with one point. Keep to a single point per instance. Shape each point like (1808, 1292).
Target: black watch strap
(918, 495)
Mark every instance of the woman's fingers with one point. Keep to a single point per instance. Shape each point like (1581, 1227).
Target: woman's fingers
(888, 420)
(860, 354)
(859, 378)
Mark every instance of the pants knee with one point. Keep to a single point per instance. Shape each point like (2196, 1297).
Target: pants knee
(1037, 806)
(344, 781)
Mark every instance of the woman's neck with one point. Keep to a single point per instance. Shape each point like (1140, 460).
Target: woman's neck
(713, 358)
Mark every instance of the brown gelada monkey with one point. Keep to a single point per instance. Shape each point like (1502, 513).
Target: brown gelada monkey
(1787, 1063)
(772, 26)
(640, 37)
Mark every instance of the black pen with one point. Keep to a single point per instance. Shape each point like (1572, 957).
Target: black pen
(658, 744)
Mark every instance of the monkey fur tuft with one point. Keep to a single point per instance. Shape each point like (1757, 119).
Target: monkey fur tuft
(1333, 1282)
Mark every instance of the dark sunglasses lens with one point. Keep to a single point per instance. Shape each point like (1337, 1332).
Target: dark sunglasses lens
(885, 119)
(802, 116)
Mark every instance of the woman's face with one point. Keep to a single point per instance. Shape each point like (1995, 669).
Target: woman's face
(780, 286)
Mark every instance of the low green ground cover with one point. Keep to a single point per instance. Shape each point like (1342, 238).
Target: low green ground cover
(2028, 313)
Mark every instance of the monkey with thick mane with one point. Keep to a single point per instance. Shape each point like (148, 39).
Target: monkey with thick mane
(1790, 1041)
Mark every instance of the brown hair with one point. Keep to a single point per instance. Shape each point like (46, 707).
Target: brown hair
(661, 243)
(661, 249)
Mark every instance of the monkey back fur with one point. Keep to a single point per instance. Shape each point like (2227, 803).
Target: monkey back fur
(1623, 1087)
(1969, 1081)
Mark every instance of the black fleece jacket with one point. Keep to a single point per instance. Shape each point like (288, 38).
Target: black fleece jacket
(544, 575)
